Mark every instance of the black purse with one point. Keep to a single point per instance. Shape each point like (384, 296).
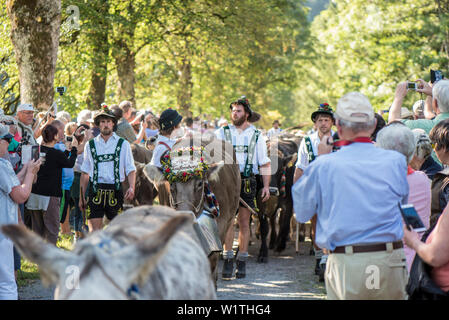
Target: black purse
(420, 285)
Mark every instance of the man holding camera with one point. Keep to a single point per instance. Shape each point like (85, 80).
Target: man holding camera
(437, 97)
(323, 120)
(357, 208)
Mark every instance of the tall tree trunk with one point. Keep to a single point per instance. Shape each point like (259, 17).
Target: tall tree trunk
(124, 54)
(100, 53)
(125, 59)
(185, 86)
(35, 37)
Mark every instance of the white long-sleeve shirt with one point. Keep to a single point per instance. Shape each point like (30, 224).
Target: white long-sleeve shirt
(106, 169)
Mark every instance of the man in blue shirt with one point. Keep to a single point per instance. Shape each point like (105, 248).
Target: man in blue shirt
(355, 193)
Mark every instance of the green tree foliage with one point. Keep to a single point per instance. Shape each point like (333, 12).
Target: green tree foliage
(371, 46)
(200, 55)
(9, 79)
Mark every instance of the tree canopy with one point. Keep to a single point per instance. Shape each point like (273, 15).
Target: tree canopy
(198, 56)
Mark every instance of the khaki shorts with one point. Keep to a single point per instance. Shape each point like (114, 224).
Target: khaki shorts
(378, 275)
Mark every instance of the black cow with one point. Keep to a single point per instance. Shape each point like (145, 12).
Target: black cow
(285, 147)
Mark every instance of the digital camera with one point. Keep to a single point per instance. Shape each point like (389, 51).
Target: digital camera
(61, 90)
(412, 85)
(436, 75)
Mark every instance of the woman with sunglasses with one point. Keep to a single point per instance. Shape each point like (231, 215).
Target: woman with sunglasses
(14, 190)
(434, 250)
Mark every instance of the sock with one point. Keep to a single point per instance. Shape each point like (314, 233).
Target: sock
(228, 254)
(242, 256)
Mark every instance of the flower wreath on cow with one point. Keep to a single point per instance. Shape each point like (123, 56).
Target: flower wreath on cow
(187, 164)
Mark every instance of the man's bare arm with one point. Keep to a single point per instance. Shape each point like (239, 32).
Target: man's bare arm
(298, 174)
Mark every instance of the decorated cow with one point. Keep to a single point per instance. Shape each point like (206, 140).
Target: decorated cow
(204, 178)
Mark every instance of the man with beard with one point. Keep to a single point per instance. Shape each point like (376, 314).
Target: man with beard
(323, 120)
(107, 161)
(251, 153)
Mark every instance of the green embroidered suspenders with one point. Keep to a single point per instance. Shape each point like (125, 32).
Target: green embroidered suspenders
(309, 148)
(247, 149)
(106, 158)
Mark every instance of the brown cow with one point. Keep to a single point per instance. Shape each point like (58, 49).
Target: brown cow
(224, 180)
(145, 192)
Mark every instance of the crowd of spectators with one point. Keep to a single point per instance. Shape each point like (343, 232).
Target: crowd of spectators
(353, 191)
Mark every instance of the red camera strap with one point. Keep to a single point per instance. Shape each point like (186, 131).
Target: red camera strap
(163, 143)
(341, 143)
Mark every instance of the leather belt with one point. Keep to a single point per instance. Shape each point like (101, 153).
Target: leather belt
(368, 247)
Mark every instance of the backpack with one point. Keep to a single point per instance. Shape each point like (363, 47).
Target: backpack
(420, 285)
(439, 183)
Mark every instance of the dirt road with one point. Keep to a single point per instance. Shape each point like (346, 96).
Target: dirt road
(284, 277)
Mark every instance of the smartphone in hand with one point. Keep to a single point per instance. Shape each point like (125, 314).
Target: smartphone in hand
(411, 218)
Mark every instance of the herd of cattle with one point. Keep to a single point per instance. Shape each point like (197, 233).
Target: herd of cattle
(153, 252)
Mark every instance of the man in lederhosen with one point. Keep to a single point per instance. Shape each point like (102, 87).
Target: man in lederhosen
(251, 153)
(107, 161)
(323, 119)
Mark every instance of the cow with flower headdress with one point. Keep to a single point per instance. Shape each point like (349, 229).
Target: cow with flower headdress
(203, 175)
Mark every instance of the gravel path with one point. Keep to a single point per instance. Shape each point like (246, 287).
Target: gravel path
(36, 291)
(284, 277)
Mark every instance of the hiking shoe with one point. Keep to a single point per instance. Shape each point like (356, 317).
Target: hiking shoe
(228, 269)
(241, 269)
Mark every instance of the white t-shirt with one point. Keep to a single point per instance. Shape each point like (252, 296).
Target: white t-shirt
(303, 153)
(240, 139)
(273, 132)
(106, 169)
(160, 149)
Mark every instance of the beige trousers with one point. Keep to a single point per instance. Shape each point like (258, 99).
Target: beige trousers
(367, 276)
